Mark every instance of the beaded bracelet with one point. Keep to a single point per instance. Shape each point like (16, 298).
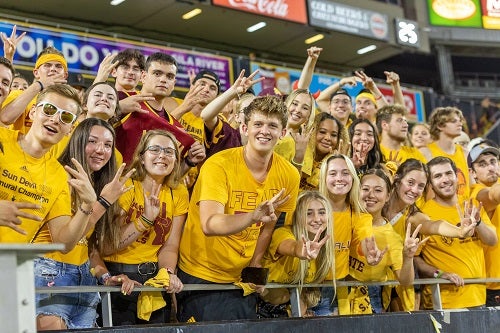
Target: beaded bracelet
(104, 278)
(86, 212)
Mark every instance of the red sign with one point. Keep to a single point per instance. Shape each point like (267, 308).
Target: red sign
(491, 14)
(411, 99)
(289, 10)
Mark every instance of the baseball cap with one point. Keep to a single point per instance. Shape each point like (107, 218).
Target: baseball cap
(478, 150)
(77, 80)
(340, 92)
(206, 74)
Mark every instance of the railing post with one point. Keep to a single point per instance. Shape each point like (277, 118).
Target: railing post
(17, 285)
(436, 297)
(107, 316)
(295, 302)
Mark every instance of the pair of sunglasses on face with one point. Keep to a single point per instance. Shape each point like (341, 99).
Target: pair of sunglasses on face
(50, 109)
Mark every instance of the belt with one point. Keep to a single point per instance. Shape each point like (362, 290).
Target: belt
(145, 268)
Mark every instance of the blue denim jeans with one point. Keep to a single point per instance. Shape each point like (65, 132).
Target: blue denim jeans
(375, 293)
(78, 310)
(326, 307)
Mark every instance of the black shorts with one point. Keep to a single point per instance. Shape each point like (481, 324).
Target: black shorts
(213, 305)
(124, 307)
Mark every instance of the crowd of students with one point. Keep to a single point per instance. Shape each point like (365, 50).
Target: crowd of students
(231, 188)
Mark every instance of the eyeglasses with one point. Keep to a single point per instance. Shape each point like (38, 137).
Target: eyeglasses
(50, 109)
(156, 150)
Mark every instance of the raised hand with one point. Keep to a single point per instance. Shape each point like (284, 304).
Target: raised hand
(265, 211)
(81, 183)
(342, 148)
(105, 67)
(152, 202)
(314, 52)
(133, 103)
(191, 75)
(301, 139)
(360, 154)
(469, 217)
(115, 188)
(412, 242)
(54, 79)
(10, 213)
(196, 153)
(350, 81)
(395, 158)
(391, 77)
(242, 83)
(365, 79)
(310, 249)
(193, 96)
(372, 254)
(10, 43)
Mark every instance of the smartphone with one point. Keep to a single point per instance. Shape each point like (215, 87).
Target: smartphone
(255, 275)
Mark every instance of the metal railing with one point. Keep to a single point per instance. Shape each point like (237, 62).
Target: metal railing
(294, 291)
(17, 289)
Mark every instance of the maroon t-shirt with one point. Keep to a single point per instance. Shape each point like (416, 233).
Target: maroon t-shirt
(129, 130)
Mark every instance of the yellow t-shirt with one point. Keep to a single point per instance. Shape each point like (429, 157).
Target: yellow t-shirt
(224, 178)
(173, 202)
(392, 260)
(282, 269)
(464, 257)
(36, 180)
(402, 154)
(194, 125)
(286, 147)
(348, 227)
(23, 122)
(77, 256)
(463, 188)
(405, 293)
(491, 253)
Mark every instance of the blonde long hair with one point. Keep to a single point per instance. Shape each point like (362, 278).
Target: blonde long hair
(352, 198)
(325, 262)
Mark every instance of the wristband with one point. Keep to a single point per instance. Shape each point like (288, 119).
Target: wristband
(104, 278)
(41, 85)
(147, 221)
(189, 163)
(478, 222)
(86, 212)
(378, 97)
(105, 203)
(437, 274)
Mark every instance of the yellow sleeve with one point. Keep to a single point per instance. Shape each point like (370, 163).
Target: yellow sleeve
(181, 200)
(279, 235)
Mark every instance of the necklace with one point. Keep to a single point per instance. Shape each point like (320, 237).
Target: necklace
(397, 217)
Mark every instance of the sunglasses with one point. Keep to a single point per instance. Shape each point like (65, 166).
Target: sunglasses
(50, 109)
